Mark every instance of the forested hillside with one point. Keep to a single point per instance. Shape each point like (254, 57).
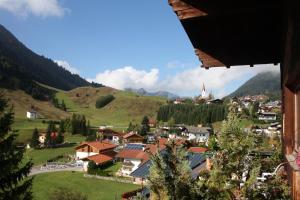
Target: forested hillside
(22, 68)
(267, 83)
(192, 114)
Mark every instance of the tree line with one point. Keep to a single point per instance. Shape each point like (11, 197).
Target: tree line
(103, 101)
(192, 114)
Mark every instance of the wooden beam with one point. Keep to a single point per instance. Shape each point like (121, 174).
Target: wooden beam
(207, 60)
(184, 10)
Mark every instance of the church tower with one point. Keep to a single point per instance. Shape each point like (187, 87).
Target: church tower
(203, 93)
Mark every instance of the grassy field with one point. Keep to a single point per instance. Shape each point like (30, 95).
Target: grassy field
(127, 107)
(95, 189)
(40, 156)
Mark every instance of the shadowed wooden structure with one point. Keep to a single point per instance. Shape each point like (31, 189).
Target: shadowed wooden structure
(249, 32)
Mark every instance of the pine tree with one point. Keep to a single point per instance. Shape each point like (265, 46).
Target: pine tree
(60, 138)
(13, 184)
(35, 139)
(170, 174)
(145, 126)
(63, 105)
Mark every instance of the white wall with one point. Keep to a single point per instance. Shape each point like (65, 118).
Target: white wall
(80, 155)
(136, 163)
(201, 137)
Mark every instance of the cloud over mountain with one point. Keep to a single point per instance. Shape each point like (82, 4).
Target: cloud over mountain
(185, 82)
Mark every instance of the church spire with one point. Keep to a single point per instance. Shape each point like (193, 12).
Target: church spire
(203, 93)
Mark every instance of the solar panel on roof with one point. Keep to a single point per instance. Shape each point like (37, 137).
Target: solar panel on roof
(134, 146)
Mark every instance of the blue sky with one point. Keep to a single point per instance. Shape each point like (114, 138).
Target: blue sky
(134, 43)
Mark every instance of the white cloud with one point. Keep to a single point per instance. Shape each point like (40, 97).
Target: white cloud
(41, 8)
(128, 77)
(67, 66)
(216, 79)
(187, 82)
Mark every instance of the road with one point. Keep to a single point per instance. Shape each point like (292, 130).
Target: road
(37, 170)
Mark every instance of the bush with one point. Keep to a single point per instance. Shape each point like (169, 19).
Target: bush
(103, 101)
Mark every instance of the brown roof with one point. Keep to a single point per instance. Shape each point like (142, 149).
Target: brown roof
(100, 158)
(197, 149)
(110, 132)
(131, 134)
(133, 153)
(98, 145)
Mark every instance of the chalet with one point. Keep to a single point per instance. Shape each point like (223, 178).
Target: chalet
(227, 34)
(267, 116)
(31, 115)
(133, 155)
(197, 134)
(99, 152)
(133, 137)
(111, 135)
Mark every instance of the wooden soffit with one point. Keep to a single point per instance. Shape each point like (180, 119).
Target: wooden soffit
(232, 32)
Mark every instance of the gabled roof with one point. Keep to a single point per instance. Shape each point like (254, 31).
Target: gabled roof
(194, 129)
(100, 158)
(98, 145)
(197, 149)
(110, 132)
(133, 154)
(131, 134)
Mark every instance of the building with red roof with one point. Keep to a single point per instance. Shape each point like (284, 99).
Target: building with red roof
(99, 152)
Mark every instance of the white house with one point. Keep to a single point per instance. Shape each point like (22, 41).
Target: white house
(134, 155)
(99, 152)
(267, 116)
(31, 114)
(197, 134)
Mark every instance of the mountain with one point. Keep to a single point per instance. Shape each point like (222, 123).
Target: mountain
(21, 68)
(143, 92)
(263, 83)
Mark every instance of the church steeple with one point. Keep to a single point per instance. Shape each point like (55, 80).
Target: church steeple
(203, 93)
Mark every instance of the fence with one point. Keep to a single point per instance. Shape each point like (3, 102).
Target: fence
(108, 178)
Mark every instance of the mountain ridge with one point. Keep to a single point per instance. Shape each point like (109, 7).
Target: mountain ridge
(143, 92)
(18, 63)
(267, 83)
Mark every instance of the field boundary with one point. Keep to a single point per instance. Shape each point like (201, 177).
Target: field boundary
(107, 178)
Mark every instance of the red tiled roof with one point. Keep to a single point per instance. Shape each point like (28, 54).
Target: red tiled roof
(98, 145)
(197, 149)
(133, 153)
(131, 134)
(100, 158)
(110, 132)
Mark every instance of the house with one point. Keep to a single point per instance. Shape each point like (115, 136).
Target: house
(133, 137)
(178, 101)
(99, 152)
(42, 138)
(267, 116)
(152, 122)
(31, 115)
(197, 134)
(133, 155)
(111, 135)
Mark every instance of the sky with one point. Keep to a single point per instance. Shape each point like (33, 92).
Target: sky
(122, 44)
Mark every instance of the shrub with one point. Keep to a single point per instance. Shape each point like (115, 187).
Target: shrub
(103, 101)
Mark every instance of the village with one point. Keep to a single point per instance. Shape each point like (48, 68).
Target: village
(129, 153)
